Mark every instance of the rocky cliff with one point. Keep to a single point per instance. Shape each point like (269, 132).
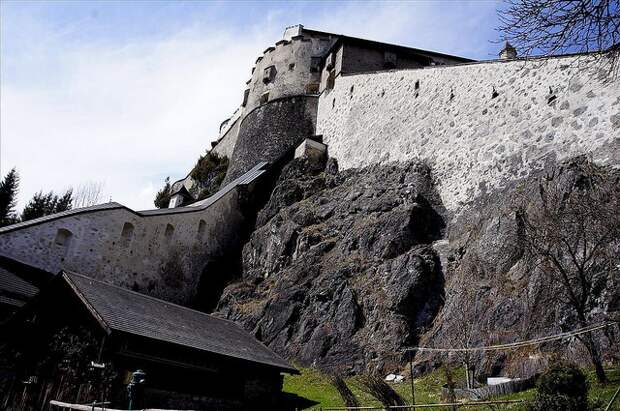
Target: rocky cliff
(340, 269)
(346, 268)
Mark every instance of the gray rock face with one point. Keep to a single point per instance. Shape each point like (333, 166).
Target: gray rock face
(496, 294)
(343, 271)
(340, 270)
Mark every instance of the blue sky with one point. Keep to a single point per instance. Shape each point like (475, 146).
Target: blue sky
(127, 93)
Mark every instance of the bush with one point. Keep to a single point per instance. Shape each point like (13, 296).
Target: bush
(208, 173)
(162, 198)
(562, 387)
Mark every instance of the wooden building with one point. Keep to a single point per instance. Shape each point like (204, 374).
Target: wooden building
(80, 340)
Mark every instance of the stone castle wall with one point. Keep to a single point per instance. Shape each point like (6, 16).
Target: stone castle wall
(271, 130)
(293, 72)
(158, 252)
(479, 125)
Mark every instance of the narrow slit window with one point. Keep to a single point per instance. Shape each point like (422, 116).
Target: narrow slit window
(169, 232)
(202, 227)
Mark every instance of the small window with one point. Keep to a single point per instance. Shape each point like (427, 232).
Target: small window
(246, 95)
(291, 66)
(202, 227)
(173, 202)
(264, 98)
(169, 233)
(63, 237)
(269, 74)
(315, 64)
(127, 234)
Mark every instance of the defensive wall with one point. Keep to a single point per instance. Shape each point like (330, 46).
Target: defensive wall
(478, 124)
(291, 67)
(271, 130)
(159, 252)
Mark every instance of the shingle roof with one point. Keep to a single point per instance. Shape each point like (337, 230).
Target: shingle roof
(12, 284)
(138, 314)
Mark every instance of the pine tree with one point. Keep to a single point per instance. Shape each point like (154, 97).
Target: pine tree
(65, 202)
(8, 193)
(44, 204)
(162, 198)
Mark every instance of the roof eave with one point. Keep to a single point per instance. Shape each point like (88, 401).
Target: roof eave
(87, 304)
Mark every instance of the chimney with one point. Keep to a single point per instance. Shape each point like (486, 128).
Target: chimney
(508, 52)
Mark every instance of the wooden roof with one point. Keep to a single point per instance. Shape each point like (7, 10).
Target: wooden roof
(119, 309)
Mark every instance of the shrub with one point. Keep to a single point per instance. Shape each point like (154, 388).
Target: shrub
(162, 198)
(208, 173)
(562, 387)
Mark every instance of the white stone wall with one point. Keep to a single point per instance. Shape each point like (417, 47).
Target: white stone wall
(474, 142)
(226, 144)
(288, 81)
(168, 267)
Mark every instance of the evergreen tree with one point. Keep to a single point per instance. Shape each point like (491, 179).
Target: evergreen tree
(8, 193)
(44, 204)
(64, 202)
(162, 198)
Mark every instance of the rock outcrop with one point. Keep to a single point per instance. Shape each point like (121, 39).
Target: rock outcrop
(345, 269)
(340, 270)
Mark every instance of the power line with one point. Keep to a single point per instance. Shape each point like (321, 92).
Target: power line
(518, 344)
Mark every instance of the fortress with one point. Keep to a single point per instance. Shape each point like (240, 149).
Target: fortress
(478, 124)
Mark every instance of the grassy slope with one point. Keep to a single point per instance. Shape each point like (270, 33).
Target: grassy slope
(315, 386)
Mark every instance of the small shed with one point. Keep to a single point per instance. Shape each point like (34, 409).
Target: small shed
(81, 339)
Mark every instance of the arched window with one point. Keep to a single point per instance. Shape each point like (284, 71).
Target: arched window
(63, 240)
(202, 227)
(63, 237)
(127, 234)
(168, 233)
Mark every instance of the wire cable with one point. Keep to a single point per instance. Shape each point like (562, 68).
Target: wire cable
(518, 344)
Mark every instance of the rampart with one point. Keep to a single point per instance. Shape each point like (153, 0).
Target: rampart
(271, 130)
(291, 67)
(160, 252)
(479, 125)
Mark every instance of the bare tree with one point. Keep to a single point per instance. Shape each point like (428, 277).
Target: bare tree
(88, 194)
(465, 332)
(457, 325)
(571, 233)
(562, 26)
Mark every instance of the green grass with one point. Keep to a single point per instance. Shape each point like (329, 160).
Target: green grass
(314, 386)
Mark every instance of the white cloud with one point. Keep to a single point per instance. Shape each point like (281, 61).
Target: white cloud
(126, 115)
